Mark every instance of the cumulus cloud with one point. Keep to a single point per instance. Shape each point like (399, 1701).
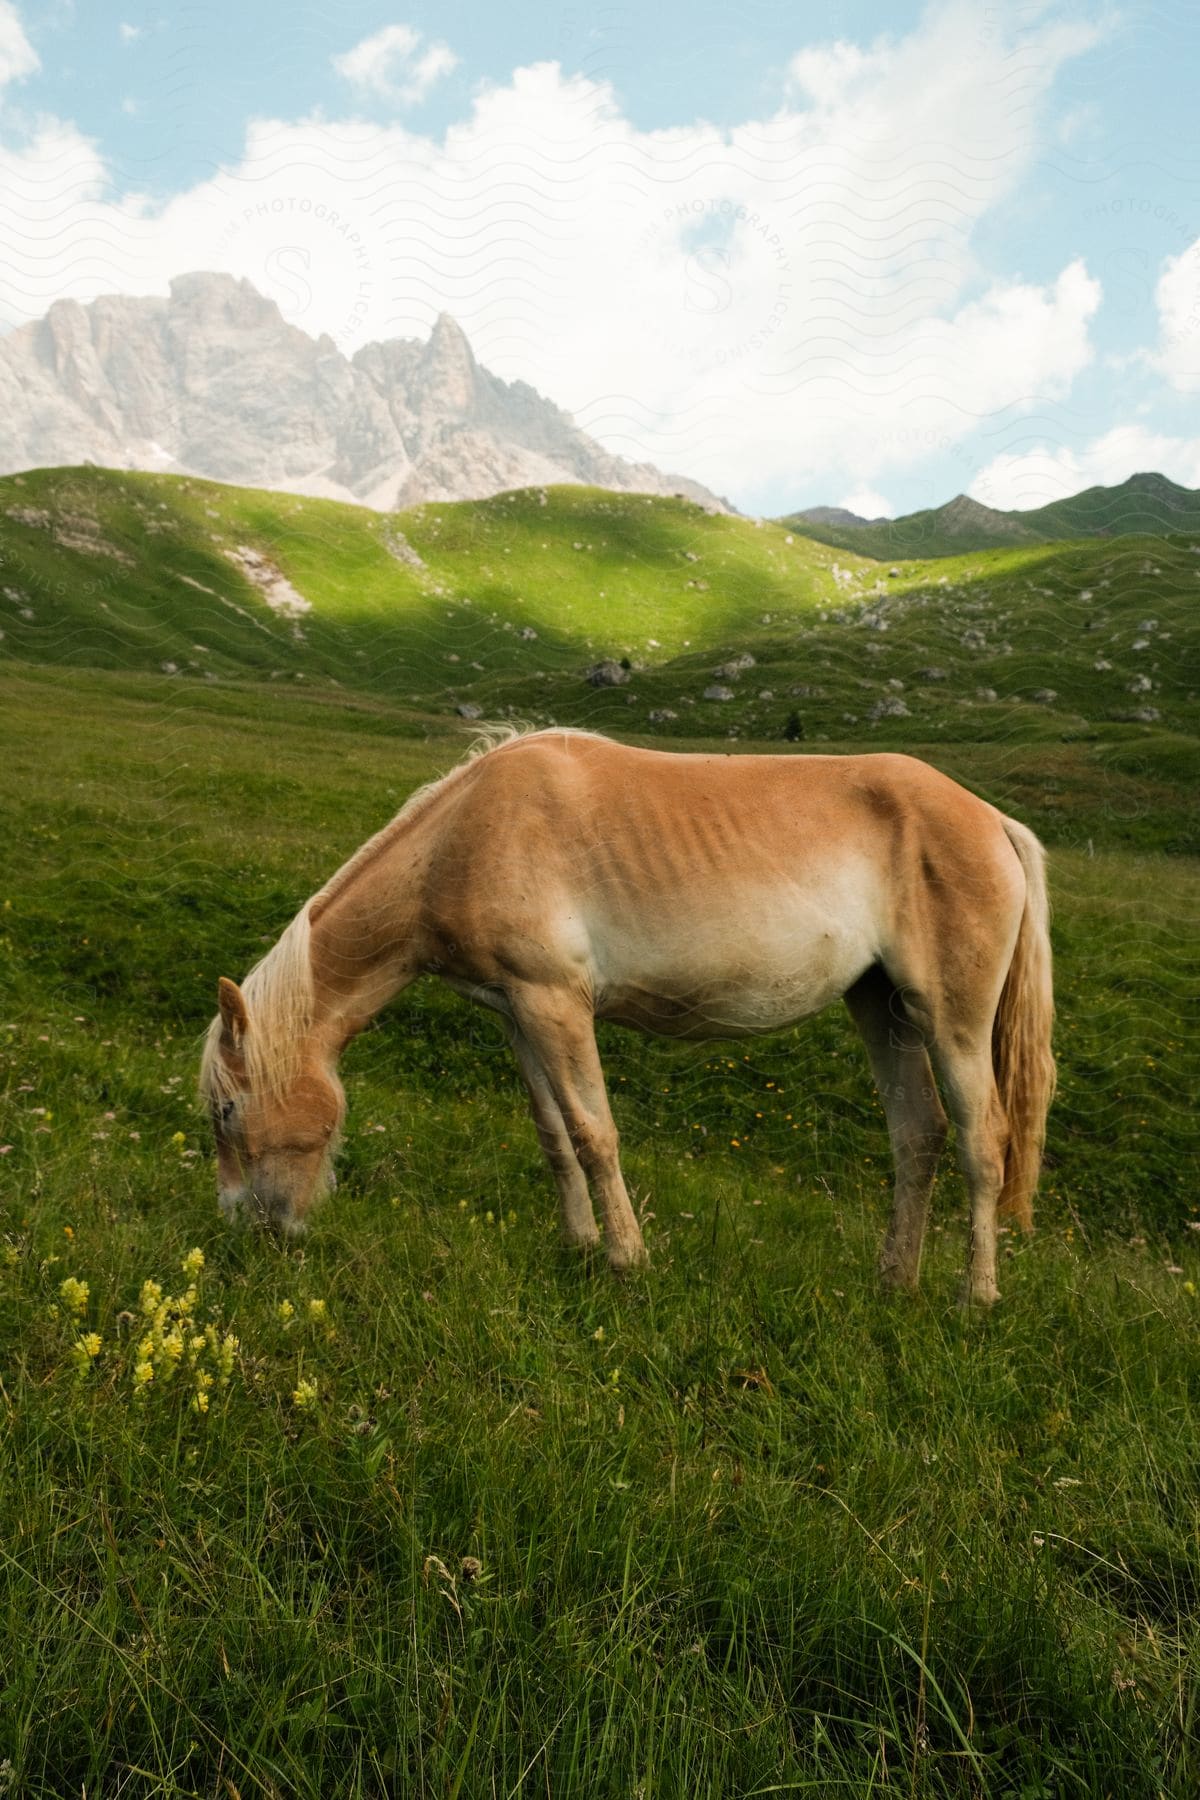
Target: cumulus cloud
(868, 504)
(18, 57)
(1046, 472)
(387, 65)
(1178, 299)
(790, 302)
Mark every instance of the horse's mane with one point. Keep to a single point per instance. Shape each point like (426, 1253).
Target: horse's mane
(279, 991)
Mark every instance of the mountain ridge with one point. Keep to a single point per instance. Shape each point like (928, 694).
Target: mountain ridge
(1147, 503)
(212, 381)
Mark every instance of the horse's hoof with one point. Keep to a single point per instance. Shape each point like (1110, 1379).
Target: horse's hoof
(628, 1262)
(896, 1281)
(582, 1244)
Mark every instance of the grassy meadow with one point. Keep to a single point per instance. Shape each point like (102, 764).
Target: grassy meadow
(425, 1506)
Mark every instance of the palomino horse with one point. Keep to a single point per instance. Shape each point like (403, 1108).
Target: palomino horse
(558, 877)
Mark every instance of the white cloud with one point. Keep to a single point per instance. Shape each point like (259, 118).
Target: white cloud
(1047, 472)
(868, 504)
(1178, 299)
(792, 301)
(387, 65)
(130, 33)
(18, 57)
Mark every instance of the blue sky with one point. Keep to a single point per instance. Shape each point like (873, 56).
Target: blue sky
(852, 254)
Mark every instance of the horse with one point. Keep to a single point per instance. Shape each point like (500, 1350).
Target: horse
(559, 877)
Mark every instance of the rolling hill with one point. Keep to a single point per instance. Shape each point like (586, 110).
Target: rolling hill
(636, 615)
(1149, 504)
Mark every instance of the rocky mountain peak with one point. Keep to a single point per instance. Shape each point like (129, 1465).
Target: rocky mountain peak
(448, 368)
(213, 380)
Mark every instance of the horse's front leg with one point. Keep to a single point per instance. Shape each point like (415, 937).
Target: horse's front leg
(560, 1031)
(576, 1218)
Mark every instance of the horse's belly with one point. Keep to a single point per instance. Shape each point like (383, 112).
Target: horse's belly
(737, 979)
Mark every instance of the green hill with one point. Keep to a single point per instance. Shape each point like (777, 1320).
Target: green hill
(502, 607)
(951, 530)
(1150, 505)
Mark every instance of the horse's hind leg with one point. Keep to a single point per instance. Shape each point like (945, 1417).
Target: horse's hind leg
(561, 1034)
(916, 1122)
(969, 1083)
(576, 1218)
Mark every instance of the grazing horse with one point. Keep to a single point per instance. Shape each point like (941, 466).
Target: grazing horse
(559, 877)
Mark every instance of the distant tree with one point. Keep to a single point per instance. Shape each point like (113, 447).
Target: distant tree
(793, 731)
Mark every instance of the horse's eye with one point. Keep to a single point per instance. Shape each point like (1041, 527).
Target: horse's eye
(226, 1111)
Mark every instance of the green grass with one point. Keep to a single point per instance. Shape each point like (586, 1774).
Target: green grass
(739, 1526)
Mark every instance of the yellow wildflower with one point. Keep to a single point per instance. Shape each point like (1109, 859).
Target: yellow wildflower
(151, 1297)
(316, 1309)
(75, 1293)
(598, 1334)
(305, 1393)
(172, 1344)
(179, 1139)
(286, 1312)
(200, 1401)
(85, 1348)
(192, 1263)
(226, 1354)
(10, 1256)
(143, 1372)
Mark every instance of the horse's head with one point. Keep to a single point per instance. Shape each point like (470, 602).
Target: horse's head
(276, 1129)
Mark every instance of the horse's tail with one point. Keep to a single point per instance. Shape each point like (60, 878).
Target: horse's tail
(1021, 1054)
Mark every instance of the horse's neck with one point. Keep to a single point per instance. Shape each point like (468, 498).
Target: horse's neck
(366, 945)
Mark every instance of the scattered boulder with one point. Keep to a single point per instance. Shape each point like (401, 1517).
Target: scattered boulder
(985, 693)
(736, 665)
(528, 633)
(932, 674)
(1044, 696)
(468, 710)
(716, 692)
(607, 673)
(1141, 684)
(890, 707)
(661, 715)
(1146, 715)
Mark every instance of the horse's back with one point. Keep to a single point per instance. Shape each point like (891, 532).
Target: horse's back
(690, 889)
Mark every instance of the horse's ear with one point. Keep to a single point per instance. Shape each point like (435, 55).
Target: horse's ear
(232, 1005)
